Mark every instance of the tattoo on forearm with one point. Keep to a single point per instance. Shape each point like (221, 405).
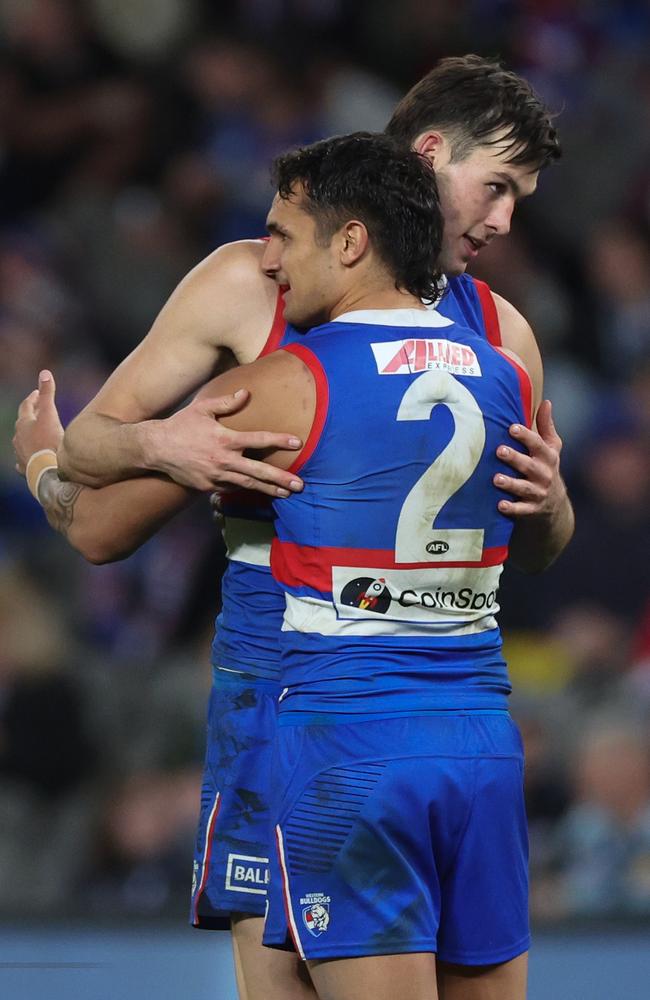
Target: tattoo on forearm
(58, 500)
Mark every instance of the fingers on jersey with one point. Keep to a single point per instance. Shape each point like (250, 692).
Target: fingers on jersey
(534, 442)
(529, 494)
(537, 471)
(250, 474)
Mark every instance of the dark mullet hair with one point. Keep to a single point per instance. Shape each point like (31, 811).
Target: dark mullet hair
(374, 179)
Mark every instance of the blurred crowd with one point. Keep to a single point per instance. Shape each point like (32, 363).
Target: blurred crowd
(134, 138)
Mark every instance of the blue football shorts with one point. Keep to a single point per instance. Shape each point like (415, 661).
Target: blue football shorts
(401, 835)
(231, 860)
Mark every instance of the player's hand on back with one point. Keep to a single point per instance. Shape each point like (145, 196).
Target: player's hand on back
(195, 450)
(38, 426)
(541, 490)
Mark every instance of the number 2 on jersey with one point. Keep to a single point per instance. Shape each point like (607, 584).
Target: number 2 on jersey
(417, 538)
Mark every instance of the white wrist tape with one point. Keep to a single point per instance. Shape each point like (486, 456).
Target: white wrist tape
(39, 463)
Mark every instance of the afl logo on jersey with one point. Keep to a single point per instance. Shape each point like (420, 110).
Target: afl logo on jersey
(367, 594)
(437, 548)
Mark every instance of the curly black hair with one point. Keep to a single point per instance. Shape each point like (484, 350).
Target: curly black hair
(390, 189)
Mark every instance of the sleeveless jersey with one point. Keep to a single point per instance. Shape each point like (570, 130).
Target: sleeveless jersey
(252, 603)
(390, 557)
(248, 626)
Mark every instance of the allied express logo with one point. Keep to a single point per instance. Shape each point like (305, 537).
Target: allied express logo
(367, 594)
(400, 357)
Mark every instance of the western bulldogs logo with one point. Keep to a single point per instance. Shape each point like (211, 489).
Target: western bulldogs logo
(316, 913)
(367, 594)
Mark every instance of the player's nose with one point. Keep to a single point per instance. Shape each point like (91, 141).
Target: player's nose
(500, 217)
(270, 259)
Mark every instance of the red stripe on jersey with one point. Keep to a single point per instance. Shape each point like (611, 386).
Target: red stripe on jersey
(278, 325)
(322, 402)
(490, 314)
(307, 565)
(525, 387)
(207, 854)
(286, 896)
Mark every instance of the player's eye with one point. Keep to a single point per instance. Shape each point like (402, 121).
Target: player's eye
(497, 188)
(277, 234)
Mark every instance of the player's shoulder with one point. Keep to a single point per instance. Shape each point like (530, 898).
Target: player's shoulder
(518, 339)
(275, 374)
(286, 370)
(228, 296)
(511, 321)
(273, 381)
(232, 267)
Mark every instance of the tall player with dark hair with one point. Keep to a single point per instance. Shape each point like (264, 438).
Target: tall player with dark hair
(226, 307)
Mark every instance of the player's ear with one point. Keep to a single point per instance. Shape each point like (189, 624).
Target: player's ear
(434, 146)
(353, 242)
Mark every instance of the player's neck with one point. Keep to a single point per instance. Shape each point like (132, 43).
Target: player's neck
(383, 297)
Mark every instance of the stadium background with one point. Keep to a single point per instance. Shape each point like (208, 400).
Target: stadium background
(134, 138)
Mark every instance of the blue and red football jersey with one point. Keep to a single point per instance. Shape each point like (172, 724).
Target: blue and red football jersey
(253, 604)
(390, 558)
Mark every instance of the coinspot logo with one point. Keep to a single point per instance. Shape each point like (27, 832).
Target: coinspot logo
(367, 594)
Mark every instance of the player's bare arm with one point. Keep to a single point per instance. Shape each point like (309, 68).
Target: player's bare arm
(543, 514)
(271, 381)
(110, 523)
(104, 524)
(218, 316)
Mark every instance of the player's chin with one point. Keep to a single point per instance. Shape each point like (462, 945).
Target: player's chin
(455, 267)
(286, 305)
(453, 263)
(302, 318)
(291, 314)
